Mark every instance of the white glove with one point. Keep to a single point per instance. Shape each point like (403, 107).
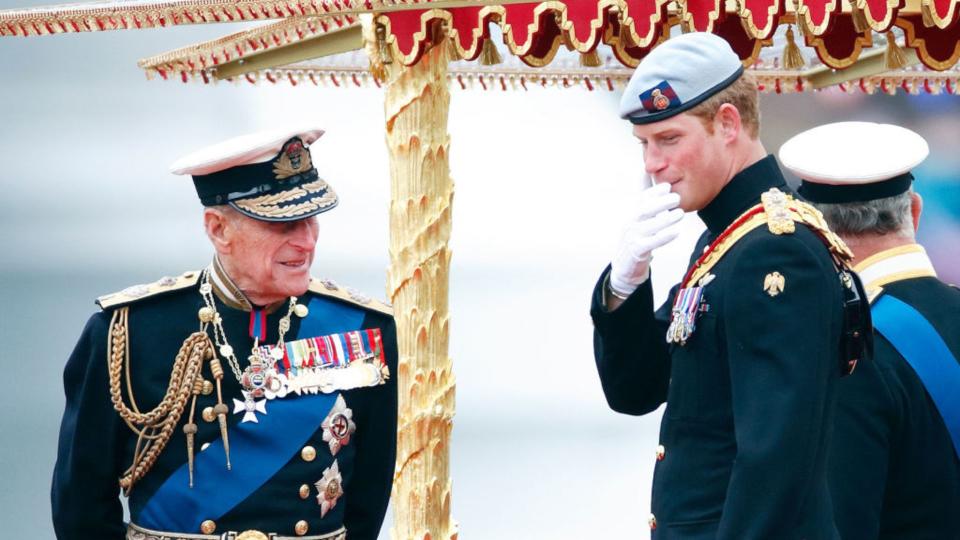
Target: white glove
(654, 226)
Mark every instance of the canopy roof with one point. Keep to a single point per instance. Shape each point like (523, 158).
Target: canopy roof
(306, 38)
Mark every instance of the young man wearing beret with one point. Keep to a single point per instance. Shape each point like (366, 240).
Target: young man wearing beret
(747, 350)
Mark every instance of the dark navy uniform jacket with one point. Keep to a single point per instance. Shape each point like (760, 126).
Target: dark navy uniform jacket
(750, 397)
(96, 446)
(894, 473)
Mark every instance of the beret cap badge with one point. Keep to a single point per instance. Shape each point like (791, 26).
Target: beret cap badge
(659, 98)
(660, 101)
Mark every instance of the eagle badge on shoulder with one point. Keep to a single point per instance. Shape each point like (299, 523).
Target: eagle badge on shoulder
(773, 283)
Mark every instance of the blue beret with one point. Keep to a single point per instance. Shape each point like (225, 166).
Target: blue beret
(678, 75)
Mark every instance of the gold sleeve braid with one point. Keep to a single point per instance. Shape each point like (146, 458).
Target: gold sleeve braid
(155, 427)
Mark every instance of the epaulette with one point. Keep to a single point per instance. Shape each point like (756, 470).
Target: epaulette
(328, 287)
(779, 212)
(146, 290)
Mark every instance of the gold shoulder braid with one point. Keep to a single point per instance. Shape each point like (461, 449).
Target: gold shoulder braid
(154, 428)
(779, 212)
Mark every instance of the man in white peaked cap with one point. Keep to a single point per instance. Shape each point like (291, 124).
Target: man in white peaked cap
(894, 465)
(244, 401)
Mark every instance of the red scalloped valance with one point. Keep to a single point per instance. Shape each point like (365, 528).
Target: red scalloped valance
(534, 31)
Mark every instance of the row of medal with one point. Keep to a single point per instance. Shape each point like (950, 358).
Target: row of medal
(322, 364)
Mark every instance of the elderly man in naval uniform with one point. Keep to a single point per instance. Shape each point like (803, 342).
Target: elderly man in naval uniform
(244, 401)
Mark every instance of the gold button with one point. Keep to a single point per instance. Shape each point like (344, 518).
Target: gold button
(208, 526)
(208, 414)
(207, 388)
(204, 446)
(661, 451)
(304, 491)
(301, 528)
(653, 522)
(301, 310)
(308, 453)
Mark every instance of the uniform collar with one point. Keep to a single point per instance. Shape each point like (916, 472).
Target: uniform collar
(228, 292)
(742, 192)
(895, 264)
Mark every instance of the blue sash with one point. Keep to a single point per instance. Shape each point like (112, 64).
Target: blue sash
(257, 450)
(923, 348)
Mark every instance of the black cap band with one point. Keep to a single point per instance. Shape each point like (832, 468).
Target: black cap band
(850, 193)
(240, 182)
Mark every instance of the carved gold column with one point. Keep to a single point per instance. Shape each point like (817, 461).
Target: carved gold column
(417, 104)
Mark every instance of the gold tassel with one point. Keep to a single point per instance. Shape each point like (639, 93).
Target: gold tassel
(928, 21)
(386, 57)
(626, 36)
(590, 59)
(220, 409)
(490, 56)
(894, 57)
(563, 35)
(441, 32)
(859, 19)
(452, 50)
(792, 57)
(190, 428)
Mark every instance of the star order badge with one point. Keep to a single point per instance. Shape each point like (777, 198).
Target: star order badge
(338, 426)
(330, 488)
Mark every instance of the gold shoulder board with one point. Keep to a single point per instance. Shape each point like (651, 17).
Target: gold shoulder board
(327, 287)
(146, 290)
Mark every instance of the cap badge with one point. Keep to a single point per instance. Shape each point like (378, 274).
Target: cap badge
(660, 101)
(294, 159)
(659, 98)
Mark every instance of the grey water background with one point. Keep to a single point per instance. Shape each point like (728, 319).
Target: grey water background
(544, 181)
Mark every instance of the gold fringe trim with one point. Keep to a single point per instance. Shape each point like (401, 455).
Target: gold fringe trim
(208, 55)
(473, 77)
